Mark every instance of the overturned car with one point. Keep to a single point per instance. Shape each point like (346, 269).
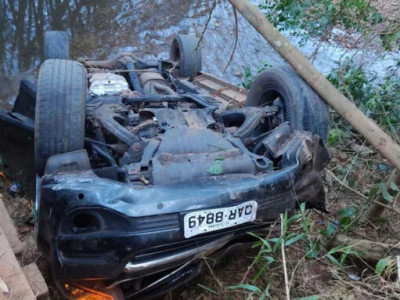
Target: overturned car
(142, 173)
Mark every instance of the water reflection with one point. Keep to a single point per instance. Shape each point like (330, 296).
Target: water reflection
(97, 28)
(102, 28)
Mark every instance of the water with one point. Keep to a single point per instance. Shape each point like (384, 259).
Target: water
(102, 28)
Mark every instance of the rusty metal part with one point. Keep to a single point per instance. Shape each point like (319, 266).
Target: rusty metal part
(277, 143)
(117, 62)
(153, 83)
(105, 115)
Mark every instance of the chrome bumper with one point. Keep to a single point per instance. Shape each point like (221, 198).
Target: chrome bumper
(171, 260)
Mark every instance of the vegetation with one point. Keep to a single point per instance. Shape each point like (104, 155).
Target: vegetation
(317, 18)
(355, 180)
(249, 76)
(379, 99)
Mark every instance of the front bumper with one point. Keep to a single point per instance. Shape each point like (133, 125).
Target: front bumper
(96, 228)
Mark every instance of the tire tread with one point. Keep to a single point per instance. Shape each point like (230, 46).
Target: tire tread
(60, 109)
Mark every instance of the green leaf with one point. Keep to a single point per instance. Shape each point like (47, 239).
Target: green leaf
(303, 207)
(346, 221)
(266, 291)
(259, 273)
(294, 239)
(347, 212)
(257, 244)
(381, 265)
(393, 186)
(248, 287)
(384, 192)
(331, 228)
(333, 260)
(264, 251)
(269, 259)
(207, 289)
(312, 253)
(262, 242)
(277, 243)
(373, 193)
(293, 218)
(216, 169)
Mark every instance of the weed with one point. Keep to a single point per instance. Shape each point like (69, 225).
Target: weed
(386, 266)
(249, 77)
(318, 17)
(378, 99)
(335, 136)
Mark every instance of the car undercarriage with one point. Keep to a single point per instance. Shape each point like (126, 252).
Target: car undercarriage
(142, 174)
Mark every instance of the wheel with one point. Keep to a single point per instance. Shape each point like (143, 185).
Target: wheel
(301, 106)
(185, 50)
(60, 109)
(56, 45)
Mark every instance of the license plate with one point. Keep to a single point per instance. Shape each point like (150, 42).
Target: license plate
(203, 221)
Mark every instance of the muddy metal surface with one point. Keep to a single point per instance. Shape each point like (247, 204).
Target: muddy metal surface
(102, 28)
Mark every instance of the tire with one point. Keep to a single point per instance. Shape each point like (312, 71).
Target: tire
(185, 51)
(60, 109)
(56, 45)
(302, 107)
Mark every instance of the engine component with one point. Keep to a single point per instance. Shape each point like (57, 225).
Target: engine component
(177, 118)
(277, 142)
(107, 115)
(153, 83)
(107, 84)
(134, 153)
(188, 154)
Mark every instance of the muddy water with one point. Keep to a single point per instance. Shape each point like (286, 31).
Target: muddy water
(102, 28)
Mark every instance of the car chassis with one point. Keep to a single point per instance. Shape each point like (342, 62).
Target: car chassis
(167, 177)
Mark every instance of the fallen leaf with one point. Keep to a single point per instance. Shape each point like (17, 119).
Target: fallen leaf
(362, 150)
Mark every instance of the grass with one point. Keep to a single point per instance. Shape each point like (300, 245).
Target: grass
(318, 268)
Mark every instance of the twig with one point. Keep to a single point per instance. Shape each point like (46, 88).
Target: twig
(398, 267)
(236, 38)
(284, 262)
(345, 185)
(206, 25)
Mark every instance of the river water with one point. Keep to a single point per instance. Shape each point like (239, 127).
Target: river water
(102, 28)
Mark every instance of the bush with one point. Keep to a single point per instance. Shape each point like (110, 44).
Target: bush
(379, 99)
(318, 17)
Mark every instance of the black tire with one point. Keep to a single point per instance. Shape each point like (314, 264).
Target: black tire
(302, 107)
(56, 45)
(60, 109)
(186, 52)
